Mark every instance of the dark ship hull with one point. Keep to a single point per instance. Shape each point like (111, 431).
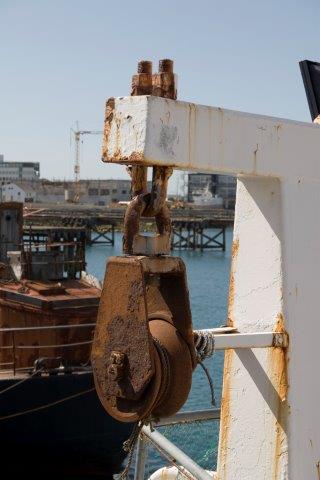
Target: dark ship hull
(72, 439)
(52, 424)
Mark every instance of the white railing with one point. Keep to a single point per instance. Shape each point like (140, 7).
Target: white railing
(176, 456)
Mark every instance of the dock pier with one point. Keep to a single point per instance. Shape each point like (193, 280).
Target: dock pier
(193, 228)
(188, 234)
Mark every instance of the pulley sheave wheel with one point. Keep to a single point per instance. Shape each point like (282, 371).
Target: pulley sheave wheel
(143, 351)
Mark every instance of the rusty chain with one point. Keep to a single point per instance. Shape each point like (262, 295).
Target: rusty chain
(146, 204)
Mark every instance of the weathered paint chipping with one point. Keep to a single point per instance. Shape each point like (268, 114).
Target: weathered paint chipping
(278, 373)
(225, 416)
(160, 131)
(234, 253)
(227, 372)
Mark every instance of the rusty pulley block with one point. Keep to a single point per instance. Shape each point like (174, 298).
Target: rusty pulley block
(143, 352)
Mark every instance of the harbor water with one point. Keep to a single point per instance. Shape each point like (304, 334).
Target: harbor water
(208, 279)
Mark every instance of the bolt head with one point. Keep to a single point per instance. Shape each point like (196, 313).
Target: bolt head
(117, 358)
(115, 372)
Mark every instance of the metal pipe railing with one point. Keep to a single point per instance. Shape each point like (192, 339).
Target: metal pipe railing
(189, 417)
(177, 456)
(141, 458)
(224, 341)
(168, 448)
(46, 327)
(37, 347)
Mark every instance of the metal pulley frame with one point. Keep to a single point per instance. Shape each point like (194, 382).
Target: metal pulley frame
(143, 352)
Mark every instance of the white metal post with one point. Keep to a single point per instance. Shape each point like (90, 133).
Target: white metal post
(141, 457)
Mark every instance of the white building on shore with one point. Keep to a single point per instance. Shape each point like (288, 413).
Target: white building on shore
(15, 192)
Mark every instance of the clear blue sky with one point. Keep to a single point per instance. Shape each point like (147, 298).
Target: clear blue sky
(60, 60)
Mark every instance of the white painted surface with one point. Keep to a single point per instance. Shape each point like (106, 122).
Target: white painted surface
(249, 437)
(268, 431)
(210, 139)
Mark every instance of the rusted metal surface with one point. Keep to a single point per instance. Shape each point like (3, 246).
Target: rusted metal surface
(11, 221)
(141, 85)
(163, 82)
(144, 313)
(278, 368)
(108, 118)
(142, 81)
(143, 298)
(151, 204)
(132, 218)
(122, 327)
(23, 304)
(225, 416)
(138, 174)
(234, 253)
(158, 194)
(132, 222)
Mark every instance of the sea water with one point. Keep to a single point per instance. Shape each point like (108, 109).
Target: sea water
(208, 280)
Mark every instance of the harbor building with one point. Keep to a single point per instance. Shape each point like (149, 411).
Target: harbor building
(93, 192)
(15, 192)
(219, 187)
(18, 171)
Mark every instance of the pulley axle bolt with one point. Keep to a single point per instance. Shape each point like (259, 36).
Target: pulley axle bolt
(117, 358)
(116, 367)
(145, 66)
(166, 66)
(142, 81)
(115, 372)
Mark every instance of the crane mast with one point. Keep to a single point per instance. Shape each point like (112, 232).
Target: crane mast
(77, 136)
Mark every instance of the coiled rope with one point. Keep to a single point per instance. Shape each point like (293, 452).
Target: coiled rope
(130, 444)
(204, 344)
(166, 372)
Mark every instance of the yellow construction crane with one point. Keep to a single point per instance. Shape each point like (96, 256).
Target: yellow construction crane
(77, 135)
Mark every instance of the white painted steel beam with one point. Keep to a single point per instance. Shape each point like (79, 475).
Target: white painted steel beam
(249, 340)
(159, 131)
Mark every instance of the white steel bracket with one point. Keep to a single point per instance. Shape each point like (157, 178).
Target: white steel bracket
(269, 425)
